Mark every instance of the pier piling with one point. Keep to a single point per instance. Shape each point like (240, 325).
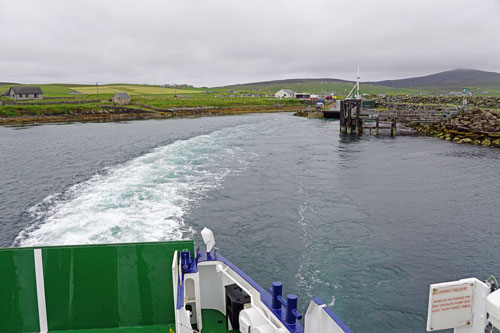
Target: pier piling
(393, 127)
(350, 116)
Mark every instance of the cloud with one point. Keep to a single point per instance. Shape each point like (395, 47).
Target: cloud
(213, 42)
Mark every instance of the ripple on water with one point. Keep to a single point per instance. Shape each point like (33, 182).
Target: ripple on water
(144, 199)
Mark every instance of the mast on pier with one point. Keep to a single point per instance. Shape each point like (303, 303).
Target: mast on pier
(358, 95)
(356, 87)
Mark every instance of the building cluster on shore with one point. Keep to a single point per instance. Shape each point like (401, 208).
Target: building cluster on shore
(287, 93)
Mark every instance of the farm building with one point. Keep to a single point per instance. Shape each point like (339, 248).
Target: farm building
(24, 93)
(303, 96)
(121, 98)
(285, 93)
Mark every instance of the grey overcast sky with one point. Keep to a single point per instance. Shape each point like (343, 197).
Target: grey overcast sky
(215, 42)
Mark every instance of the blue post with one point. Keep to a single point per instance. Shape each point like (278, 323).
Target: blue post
(198, 254)
(291, 301)
(185, 260)
(276, 291)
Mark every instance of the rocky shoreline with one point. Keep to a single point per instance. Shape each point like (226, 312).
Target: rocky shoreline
(471, 126)
(441, 101)
(126, 113)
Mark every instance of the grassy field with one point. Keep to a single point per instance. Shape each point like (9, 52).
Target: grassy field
(62, 90)
(166, 102)
(315, 87)
(164, 98)
(155, 96)
(134, 90)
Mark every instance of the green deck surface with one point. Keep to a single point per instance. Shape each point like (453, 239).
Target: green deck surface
(214, 321)
(18, 302)
(91, 288)
(138, 329)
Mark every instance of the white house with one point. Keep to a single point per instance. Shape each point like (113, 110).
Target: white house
(285, 93)
(19, 93)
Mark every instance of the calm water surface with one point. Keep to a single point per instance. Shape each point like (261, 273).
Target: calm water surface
(366, 224)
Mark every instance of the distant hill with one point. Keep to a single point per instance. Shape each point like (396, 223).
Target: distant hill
(458, 78)
(285, 82)
(440, 82)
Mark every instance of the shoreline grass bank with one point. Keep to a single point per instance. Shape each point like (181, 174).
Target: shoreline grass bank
(62, 103)
(126, 114)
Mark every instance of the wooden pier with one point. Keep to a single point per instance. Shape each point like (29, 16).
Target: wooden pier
(408, 116)
(353, 119)
(377, 125)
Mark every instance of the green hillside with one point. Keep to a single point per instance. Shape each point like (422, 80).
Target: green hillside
(480, 83)
(476, 81)
(316, 86)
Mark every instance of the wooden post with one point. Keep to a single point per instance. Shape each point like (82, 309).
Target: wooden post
(393, 127)
(359, 128)
(377, 126)
(349, 118)
(342, 117)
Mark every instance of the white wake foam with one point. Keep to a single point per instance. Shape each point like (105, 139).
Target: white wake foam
(144, 199)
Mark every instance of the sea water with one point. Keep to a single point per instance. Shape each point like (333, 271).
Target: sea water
(366, 223)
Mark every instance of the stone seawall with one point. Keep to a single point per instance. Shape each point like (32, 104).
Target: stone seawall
(474, 101)
(473, 126)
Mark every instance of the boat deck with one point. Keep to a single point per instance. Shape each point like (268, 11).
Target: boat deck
(133, 329)
(214, 321)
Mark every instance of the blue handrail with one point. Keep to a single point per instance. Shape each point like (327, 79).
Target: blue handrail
(290, 304)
